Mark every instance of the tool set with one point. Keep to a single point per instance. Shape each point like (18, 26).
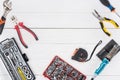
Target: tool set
(16, 62)
(61, 70)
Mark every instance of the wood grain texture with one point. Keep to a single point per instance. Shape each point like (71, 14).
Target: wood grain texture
(62, 26)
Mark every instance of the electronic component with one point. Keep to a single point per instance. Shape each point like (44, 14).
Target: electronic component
(60, 70)
(15, 61)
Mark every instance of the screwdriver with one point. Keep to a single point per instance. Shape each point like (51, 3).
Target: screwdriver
(107, 4)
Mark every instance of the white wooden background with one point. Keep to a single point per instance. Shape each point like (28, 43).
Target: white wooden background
(62, 26)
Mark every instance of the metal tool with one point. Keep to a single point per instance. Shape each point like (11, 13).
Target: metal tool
(17, 27)
(104, 19)
(14, 61)
(108, 5)
(107, 58)
(7, 8)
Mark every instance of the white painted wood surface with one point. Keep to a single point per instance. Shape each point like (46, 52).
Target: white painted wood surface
(62, 26)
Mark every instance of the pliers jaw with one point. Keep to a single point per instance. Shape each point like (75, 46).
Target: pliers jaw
(14, 19)
(97, 15)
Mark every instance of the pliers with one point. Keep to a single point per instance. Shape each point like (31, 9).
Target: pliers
(7, 8)
(17, 27)
(104, 19)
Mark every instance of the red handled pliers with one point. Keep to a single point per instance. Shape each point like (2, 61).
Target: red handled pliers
(17, 27)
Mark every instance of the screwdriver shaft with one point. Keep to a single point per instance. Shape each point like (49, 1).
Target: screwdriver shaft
(117, 14)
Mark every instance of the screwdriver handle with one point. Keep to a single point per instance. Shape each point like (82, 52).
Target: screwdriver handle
(107, 4)
(102, 66)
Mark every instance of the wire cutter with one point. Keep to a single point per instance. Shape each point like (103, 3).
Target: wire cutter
(104, 19)
(17, 27)
(7, 8)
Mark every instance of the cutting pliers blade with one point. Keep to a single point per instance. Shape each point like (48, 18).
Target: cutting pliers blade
(97, 15)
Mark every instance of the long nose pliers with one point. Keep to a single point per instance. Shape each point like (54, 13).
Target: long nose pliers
(7, 8)
(104, 19)
(17, 27)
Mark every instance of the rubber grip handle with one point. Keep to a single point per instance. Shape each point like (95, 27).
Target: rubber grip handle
(20, 36)
(104, 29)
(2, 24)
(107, 4)
(102, 66)
(29, 30)
(112, 22)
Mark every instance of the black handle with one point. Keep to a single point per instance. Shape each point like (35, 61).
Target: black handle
(107, 4)
(2, 24)
(104, 30)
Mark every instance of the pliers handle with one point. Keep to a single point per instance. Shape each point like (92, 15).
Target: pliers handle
(110, 21)
(20, 24)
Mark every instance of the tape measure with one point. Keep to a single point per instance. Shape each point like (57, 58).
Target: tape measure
(81, 54)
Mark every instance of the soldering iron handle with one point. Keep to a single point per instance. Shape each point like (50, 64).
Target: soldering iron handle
(102, 66)
(107, 4)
